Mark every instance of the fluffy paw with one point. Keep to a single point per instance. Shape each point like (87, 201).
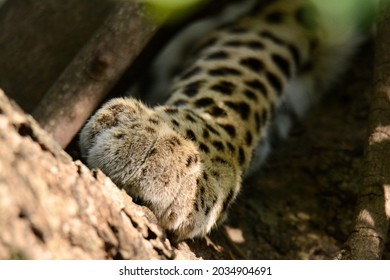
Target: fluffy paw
(142, 154)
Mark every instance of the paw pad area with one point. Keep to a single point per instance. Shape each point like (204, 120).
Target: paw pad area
(143, 154)
(115, 113)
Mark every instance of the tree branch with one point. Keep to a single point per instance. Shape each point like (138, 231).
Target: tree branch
(94, 71)
(371, 224)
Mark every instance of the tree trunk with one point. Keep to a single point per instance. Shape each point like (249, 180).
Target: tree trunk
(369, 235)
(54, 208)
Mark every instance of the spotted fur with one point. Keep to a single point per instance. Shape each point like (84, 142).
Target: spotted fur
(186, 159)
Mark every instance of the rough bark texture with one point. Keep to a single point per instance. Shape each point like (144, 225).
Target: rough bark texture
(94, 71)
(54, 208)
(368, 238)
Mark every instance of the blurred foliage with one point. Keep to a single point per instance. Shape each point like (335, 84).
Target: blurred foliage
(171, 10)
(345, 11)
(348, 12)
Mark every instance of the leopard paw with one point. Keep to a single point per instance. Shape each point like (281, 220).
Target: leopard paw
(143, 155)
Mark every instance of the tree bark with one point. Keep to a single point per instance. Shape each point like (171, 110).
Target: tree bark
(369, 234)
(94, 71)
(54, 208)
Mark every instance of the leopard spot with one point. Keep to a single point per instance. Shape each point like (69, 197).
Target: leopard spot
(283, 64)
(223, 87)
(190, 118)
(174, 141)
(207, 210)
(204, 102)
(175, 123)
(258, 86)
(150, 130)
(229, 129)
(205, 176)
(242, 108)
(250, 95)
(255, 45)
(212, 129)
(190, 160)
(200, 194)
(190, 135)
(171, 110)
(275, 17)
(193, 88)
(275, 82)
(172, 216)
(241, 156)
(154, 121)
(248, 138)
(217, 55)
(106, 120)
(231, 147)
(196, 206)
(219, 160)
(203, 147)
(217, 112)
(224, 71)
(272, 37)
(119, 135)
(253, 64)
(218, 145)
(215, 174)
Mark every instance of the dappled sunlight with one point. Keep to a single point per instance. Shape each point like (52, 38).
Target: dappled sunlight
(367, 218)
(299, 216)
(381, 134)
(235, 234)
(387, 200)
